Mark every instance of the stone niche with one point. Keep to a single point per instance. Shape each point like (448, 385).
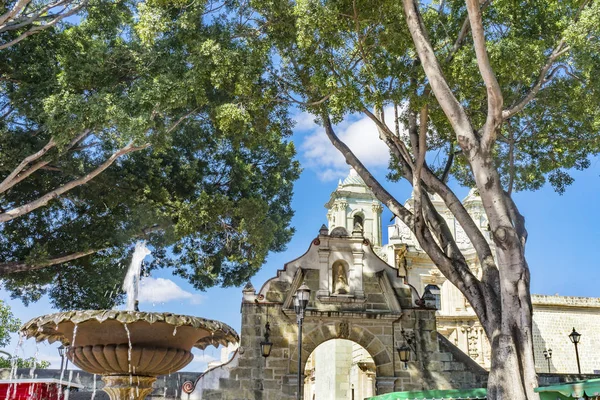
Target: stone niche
(369, 305)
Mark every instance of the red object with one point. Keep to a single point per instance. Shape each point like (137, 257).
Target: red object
(34, 389)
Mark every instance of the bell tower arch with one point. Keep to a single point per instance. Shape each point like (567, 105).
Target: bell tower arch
(352, 206)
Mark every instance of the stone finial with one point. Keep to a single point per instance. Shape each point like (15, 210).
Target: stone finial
(323, 231)
(248, 288)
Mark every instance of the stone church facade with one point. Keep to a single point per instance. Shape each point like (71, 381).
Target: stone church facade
(554, 317)
(364, 292)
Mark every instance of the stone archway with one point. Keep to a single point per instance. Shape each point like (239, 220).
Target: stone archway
(318, 331)
(377, 313)
(339, 369)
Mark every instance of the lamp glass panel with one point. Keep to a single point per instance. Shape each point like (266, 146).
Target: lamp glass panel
(404, 353)
(265, 348)
(574, 336)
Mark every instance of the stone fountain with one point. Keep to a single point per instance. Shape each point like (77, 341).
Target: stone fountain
(129, 348)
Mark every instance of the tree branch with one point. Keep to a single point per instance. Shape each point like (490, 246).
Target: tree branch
(543, 78)
(494, 93)
(45, 199)
(18, 175)
(37, 28)
(450, 105)
(19, 266)
(6, 183)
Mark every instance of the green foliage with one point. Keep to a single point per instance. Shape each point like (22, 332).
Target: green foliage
(212, 193)
(30, 362)
(8, 324)
(363, 57)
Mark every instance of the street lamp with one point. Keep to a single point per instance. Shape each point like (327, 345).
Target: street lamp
(548, 357)
(61, 353)
(404, 354)
(575, 337)
(300, 302)
(266, 345)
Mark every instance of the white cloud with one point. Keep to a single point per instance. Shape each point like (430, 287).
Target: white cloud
(361, 135)
(160, 290)
(203, 358)
(305, 122)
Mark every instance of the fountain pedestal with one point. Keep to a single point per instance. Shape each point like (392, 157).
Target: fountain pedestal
(128, 387)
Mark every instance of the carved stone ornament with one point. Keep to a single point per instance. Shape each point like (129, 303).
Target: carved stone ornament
(343, 330)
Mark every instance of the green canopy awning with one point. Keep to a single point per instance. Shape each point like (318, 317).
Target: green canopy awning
(467, 394)
(570, 390)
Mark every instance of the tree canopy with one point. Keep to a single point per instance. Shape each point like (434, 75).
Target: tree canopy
(147, 120)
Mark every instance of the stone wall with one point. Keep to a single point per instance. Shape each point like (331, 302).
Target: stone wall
(554, 318)
(436, 363)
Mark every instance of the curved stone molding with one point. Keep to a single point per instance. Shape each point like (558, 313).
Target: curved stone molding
(123, 360)
(47, 327)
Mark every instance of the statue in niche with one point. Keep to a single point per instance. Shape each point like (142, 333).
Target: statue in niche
(401, 257)
(340, 280)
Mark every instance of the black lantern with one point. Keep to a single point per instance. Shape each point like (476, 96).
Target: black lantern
(301, 299)
(404, 354)
(266, 345)
(574, 336)
(431, 297)
(548, 357)
(61, 353)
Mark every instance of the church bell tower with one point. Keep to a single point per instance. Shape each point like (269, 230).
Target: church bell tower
(352, 204)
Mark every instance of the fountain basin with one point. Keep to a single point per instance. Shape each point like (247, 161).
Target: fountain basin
(123, 344)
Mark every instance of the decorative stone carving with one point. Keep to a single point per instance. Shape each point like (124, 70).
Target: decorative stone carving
(473, 339)
(343, 330)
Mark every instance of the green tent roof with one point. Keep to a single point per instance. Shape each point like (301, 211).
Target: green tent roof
(591, 387)
(469, 394)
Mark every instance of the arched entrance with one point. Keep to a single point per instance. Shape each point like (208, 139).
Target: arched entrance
(339, 369)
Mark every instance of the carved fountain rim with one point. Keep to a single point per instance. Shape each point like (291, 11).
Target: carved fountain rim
(40, 327)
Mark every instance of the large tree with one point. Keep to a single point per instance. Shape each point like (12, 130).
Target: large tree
(149, 121)
(507, 91)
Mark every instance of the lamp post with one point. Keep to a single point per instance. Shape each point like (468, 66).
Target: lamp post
(300, 302)
(61, 353)
(548, 357)
(575, 337)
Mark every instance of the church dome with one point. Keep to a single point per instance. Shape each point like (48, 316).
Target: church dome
(353, 179)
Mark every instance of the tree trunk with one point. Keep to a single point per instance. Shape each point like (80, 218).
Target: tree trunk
(512, 375)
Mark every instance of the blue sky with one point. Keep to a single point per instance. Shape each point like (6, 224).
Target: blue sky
(562, 249)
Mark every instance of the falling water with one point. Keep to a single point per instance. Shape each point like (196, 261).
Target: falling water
(94, 388)
(131, 283)
(12, 387)
(130, 347)
(35, 358)
(62, 371)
